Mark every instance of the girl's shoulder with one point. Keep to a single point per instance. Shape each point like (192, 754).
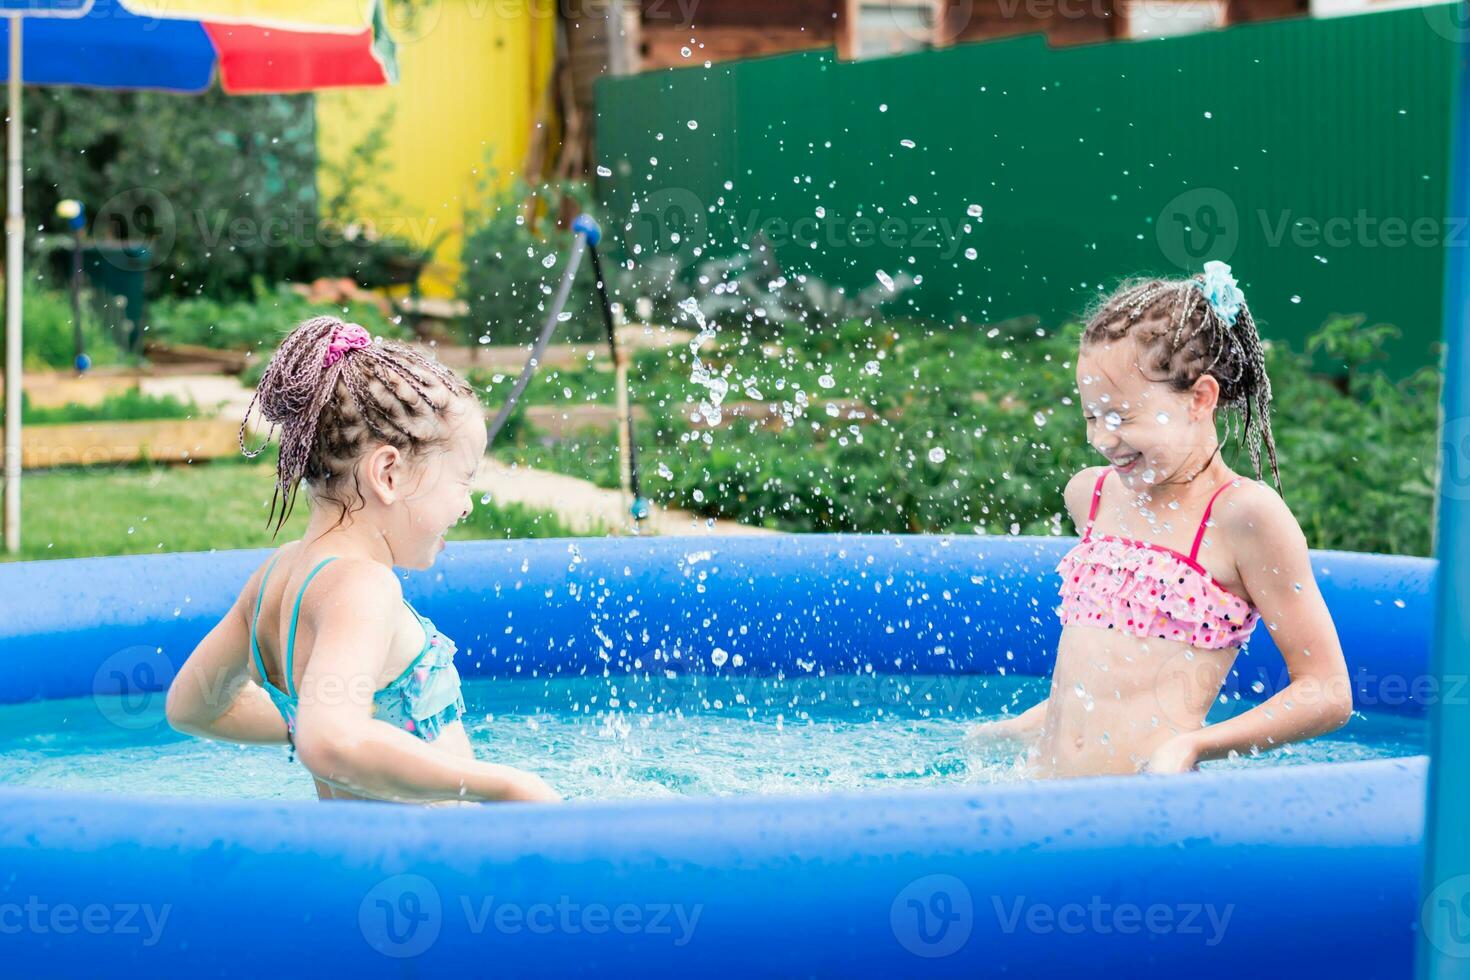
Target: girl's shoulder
(1080, 489)
(331, 577)
(1252, 509)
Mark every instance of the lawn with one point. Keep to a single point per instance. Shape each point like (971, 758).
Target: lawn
(147, 509)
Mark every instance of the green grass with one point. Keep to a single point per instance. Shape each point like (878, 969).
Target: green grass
(147, 509)
(127, 406)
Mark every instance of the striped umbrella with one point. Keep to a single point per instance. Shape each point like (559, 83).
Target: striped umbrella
(251, 46)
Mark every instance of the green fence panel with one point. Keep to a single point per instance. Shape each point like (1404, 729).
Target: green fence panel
(1310, 154)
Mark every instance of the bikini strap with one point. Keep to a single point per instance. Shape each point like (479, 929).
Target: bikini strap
(254, 646)
(1204, 521)
(1096, 500)
(296, 614)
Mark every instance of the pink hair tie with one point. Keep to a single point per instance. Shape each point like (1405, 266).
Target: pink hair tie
(345, 337)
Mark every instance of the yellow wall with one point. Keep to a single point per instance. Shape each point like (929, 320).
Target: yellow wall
(471, 78)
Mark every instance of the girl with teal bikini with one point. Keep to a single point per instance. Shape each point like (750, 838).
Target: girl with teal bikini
(320, 650)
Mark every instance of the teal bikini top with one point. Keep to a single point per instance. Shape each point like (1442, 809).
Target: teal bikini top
(422, 700)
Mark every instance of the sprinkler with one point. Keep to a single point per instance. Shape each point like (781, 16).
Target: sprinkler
(627, 440)
(586, 236)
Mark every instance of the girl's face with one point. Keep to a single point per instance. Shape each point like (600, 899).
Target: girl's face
(1150, 433)
(438, 496)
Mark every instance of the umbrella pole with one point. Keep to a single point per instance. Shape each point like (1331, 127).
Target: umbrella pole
(14, 230)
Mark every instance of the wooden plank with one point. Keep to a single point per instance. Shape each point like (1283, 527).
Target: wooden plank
(106, 443)
(663, 48)
(52, 389)
(816, 15)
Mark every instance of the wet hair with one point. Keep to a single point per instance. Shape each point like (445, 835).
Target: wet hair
(334, 394)
(1184, 338)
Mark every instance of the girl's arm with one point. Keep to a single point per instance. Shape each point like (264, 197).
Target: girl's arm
(1273, 563)
(213, 695)
(351, 621)
(1027, 725)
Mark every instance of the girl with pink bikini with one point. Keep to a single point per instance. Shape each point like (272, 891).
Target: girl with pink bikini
(1180, 557)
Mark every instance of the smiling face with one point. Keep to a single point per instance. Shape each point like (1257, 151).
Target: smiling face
(1151, 433)
(435, 493)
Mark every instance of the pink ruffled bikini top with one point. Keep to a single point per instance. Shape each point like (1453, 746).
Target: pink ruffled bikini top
(1149, 590)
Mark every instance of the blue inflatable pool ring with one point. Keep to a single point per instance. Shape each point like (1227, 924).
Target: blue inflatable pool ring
(1273, 870)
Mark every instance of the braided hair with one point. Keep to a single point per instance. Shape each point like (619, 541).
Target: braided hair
(1184, 336)
(333, 393)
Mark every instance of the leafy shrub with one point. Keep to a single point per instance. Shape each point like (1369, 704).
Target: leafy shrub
(514, 254)
(127, 406)
(750, 287)
(254, 325)
(48, 342)
(978, 432)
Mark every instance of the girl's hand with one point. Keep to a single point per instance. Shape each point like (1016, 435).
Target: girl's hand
(987, 732)
(1025, 727)
(1178, 754)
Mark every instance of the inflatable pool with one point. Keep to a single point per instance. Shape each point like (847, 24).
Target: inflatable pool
(1264, 867)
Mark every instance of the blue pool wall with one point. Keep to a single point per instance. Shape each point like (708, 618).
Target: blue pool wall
(794, 604)
(1279, 870)
(1313, 871)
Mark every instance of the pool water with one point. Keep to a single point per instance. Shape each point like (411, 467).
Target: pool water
(627, 737)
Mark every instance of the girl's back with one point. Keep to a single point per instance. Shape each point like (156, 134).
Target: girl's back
(321, 649)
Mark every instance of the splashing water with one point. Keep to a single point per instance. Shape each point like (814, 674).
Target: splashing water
(718, 387)
(635, 736)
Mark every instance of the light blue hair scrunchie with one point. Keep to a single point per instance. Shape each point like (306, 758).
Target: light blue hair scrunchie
(1220, 290)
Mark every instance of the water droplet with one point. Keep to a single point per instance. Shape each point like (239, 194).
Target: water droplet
(907, 144)
(886, 280)
(719, 657)
(548, 262)
(603, 171)
(975, 211)
(1039, 418)
(937, 455)
(1112, 421)
(821, 211)
(693, 124)
(1296, 299)
(883, 107)
(685, 52)
(827, 381)
(1162, 418)
(971, 254)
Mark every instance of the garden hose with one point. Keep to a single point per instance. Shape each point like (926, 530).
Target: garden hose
(581, 233)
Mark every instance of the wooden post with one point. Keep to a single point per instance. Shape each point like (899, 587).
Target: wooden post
(625, 420)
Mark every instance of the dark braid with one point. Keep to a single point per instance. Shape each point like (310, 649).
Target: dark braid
(334, 393)
(1188, 338)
